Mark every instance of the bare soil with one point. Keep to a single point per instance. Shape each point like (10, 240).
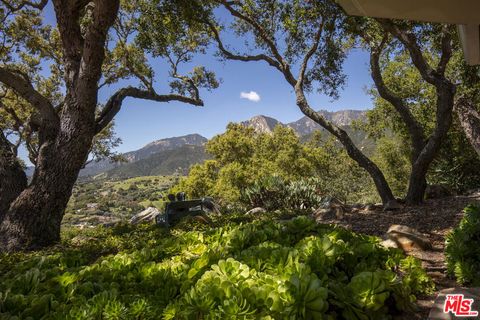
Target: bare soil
(434, 218)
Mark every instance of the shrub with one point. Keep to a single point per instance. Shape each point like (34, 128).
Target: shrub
(268, 193)
(273, 193)
(462, 249)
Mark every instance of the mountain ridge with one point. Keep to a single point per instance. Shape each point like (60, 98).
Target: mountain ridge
(145, 152)
(169, 155)
(306, 126)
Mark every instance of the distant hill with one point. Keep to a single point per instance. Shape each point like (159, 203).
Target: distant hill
(162, 163)
(343, 118)
(305, 127)
(150, 149)
(177, 154)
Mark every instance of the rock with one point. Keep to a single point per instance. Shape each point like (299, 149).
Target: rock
(392, 205)
(408, 238)
(331, 213)
(389, 244)
(147, 215)
(255, 211)
(331, 209)
(436, 312)
(437, 191)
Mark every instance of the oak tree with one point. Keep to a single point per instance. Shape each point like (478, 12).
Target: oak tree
(51, 74)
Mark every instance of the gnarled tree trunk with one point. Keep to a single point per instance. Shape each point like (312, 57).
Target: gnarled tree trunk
(34, 217)
(12, 177)
(65, 136)
(418, 183)
(470, 121)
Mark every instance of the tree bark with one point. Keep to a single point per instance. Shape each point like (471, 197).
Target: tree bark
(34, 217)
(363, 161)
(418, 183)
(445, 89)
(12, 177)
(470, 121)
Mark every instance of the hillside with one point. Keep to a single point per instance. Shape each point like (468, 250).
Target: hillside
(177, 154)
(306, 126)
(152, 148)
(162, 163)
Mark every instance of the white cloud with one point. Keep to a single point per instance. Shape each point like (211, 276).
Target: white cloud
(252, 96)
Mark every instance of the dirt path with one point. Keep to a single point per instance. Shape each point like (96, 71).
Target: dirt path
(435, 218)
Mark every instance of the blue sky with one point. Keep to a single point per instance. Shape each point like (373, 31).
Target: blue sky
(140, 122)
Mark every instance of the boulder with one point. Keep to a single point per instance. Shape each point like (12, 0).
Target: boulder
(256, 211)
(437, 310)
(147, 215)
(408, 238)
(437, 191)
(334, 212)
(389, 244)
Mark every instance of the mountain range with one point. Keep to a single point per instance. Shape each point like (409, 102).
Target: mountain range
(177, 154)
(306, 126)
(153, 148)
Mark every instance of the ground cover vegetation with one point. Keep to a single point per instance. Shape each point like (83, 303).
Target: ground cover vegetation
(241, 268)
(462, 248)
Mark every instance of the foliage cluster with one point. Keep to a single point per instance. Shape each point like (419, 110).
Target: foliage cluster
(462, 248)
(243, 158)
(263, 269)
(274, 193)
(455, 163)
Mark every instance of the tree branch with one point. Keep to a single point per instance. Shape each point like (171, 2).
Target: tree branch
(414, 128)
(310, 53)
(262, 33)
(231, 56)
(446, 51)
(23, 87)
(36, 5)
(193, 89)
(470, 121)
(409, 40)
(114, 104)
(104, 14)
(68, 21)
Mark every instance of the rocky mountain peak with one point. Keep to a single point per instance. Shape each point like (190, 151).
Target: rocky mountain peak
(305, 126)
(262, 124)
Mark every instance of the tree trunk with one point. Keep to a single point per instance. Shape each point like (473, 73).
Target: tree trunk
(12, 177)
(418, 182)
(34, 217)
(470, 121)
(363, 161)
